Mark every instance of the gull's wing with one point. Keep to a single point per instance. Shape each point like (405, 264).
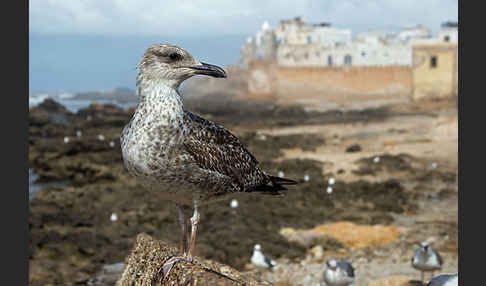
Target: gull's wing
(215, 149)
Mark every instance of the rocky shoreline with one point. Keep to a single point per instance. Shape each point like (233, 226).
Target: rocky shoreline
(72, 233)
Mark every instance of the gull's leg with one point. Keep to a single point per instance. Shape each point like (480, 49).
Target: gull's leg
(183, 224)
(194, 224)
(167, 266)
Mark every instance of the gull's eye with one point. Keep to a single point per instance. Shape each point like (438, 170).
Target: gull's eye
(175, 56)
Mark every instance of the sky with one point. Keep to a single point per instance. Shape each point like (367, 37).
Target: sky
(84, 45)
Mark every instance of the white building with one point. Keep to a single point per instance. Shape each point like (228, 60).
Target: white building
(295, 43)
(449, 32)
(414, 32)
(296, 32)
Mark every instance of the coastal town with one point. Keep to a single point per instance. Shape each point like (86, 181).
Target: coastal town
(297, 43)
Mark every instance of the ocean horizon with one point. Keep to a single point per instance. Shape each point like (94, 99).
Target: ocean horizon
(74, 104)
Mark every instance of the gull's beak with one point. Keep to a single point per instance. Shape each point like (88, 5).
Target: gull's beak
(208, 69)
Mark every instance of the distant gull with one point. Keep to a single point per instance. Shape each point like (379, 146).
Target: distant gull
(113, 217)
(101, 137)
(306, 178)
(260, 260)
(66, 139)
(433, 165)
(329, 190)
(112, 144)
(79, 133)
(427, 259)
(191, 160)
(338, 273)
(376, 159)
(444, 280)
(234, 203)
(331, 181)
(262, 137)
(281, 174)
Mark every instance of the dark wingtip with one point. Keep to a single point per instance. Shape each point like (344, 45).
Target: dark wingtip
(274, 187)
(282, 181)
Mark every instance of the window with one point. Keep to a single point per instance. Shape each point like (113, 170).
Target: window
(363, 53)
(447, 39)
(309, 39)
(433, 62)
(347, 60)
(318, 54)
(329, 60)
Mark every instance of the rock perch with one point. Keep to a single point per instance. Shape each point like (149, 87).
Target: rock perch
(143, 264)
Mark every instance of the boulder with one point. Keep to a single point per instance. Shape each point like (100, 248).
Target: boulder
(148, 255)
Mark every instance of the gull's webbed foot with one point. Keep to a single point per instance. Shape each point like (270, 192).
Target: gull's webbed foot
(167, 266)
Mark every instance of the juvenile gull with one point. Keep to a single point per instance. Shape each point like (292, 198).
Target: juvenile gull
(191, 160)
(426, 258)
(338, 273)
(258, 259)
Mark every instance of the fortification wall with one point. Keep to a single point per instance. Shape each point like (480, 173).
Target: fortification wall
(330, 85)
(347, 80)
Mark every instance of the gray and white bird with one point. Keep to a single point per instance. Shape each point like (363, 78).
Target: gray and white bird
(444, 280)
(338, 273)
(260, 260)
(426, 259)
(190, 160)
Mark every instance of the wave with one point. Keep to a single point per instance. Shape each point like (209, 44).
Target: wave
(37, 99)
(66, 95)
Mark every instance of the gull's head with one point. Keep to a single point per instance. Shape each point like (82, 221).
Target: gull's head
(424, 245)
(331, 263)
(172, 64)
(257, 247)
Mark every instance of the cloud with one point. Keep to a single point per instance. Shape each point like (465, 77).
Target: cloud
(225, 17)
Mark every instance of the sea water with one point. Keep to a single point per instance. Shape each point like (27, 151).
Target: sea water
(71, 104)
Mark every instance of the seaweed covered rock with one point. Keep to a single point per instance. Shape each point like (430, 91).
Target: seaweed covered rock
(143, 264)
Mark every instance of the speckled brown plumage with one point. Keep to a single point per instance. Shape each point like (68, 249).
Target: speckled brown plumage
(184, 155)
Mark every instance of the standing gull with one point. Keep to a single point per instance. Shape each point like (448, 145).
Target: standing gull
(191, 160)
(259, 259)
(426, 258)
(338, 273)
